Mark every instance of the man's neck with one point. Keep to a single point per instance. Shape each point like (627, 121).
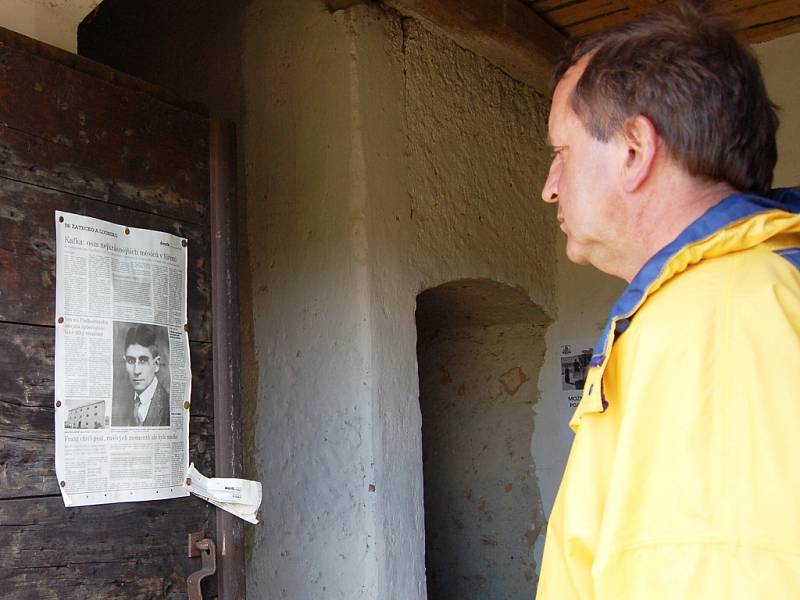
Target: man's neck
(665, 210)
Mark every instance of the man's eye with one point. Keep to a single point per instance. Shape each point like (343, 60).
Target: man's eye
(144, 361)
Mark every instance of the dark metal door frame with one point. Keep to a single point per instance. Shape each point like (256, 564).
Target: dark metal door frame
(226, 353)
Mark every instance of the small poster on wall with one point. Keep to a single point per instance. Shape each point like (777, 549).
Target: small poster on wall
(122, 369)
(574, 359)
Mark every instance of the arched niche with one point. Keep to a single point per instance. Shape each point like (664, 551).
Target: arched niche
(479, 350)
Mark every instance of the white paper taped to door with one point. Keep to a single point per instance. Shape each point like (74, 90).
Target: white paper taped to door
(240, 497)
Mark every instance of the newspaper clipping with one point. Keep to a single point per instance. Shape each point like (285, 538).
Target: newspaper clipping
(123, 377)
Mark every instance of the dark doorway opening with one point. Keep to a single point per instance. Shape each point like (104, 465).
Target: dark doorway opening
(480, 346)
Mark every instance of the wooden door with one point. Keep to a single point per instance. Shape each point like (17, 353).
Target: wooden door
(79, 137)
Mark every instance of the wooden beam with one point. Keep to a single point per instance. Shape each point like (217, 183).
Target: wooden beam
(334, 5)
(769, 31)
(505, 32)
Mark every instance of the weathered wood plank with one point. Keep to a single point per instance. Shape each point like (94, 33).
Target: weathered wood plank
(27, 462)
(68, 130)
(507, 33)
(27, 252)
(769, 31)
(334, 5)
(578, 12)
(613, 19)
(27, 465)
(542, 6)
(132, 550)
(15, 40)
(756, 21)
(767, 12)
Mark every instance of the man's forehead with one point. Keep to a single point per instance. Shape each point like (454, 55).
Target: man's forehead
(566, 85)
(560, 107)
(137, 350)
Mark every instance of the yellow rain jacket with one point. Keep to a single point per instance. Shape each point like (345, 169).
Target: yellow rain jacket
(683, 481)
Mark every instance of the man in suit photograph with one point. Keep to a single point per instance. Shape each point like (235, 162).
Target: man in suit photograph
(145, 403)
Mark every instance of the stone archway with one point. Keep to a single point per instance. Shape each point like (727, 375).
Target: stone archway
(479, 350)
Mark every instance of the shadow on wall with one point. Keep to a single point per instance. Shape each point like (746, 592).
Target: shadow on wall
(479, 350)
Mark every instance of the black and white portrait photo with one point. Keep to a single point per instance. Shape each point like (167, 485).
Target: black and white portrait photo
(141, 375)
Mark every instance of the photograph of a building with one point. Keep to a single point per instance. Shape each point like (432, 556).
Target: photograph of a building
(88, 416)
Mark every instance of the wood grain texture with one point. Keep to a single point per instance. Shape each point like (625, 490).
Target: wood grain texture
(71, 131)
(755, 20)
(333, 5)
(28, 245)
(131, 550)
(27, 461)
(769, 31)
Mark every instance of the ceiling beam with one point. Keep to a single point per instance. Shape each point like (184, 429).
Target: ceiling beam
(769, 31)
(334, 5)
(505, 32)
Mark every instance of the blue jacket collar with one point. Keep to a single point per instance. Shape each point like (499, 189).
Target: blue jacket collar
(734, 208)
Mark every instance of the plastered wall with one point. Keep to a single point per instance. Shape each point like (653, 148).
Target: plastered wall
(54, 22)
(464, 128)
(779, 64)
(378, 173)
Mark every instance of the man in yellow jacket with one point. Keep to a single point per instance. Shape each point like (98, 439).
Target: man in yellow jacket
(683, 481)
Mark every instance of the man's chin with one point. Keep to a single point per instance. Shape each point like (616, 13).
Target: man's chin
(576, 255)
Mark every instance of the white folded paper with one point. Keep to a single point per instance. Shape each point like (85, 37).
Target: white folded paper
(240, 497)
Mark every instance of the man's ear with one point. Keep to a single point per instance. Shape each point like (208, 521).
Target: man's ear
(157, 363)
(641, 139)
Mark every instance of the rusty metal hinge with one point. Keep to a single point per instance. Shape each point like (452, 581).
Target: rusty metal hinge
(205, 548)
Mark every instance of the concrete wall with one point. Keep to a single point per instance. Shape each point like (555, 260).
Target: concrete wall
(779, 64)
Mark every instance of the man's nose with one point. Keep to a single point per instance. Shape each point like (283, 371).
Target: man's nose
(550, 188)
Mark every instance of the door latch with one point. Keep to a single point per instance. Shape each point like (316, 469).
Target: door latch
(207, 550)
